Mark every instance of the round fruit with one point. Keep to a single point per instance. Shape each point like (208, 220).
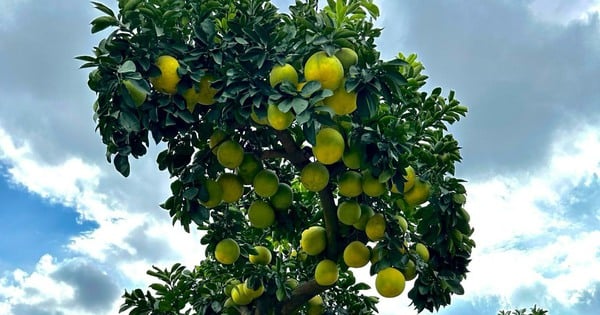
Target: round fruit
(204, 94)
(371, 185)
(352, 158)
(215, 194)
(260, 214)
(366, 213)
(263, 121)
(137, 94)
(240, 296)
(356, 254)
(314, 240)
(253, 293)
(347, 57)
(418, 194)
(291, 283)
(326, 272)
(314, 176)
(348, 212)
(278, 119)
(281, 73)
(227, 251)
(410, 178)
(166, 82)
(262, 258)
(230, 154)
(402, 223)
(283, 198)
(410, 270)
(315, 305)
(265, 183)
(375, 228)
(350, 184)
(249, 168)
(325, 69)
(329, 146)
(216, 139)
(232, 187)
(389, 282)
(422, 251)
(342, 102)
(230, 285)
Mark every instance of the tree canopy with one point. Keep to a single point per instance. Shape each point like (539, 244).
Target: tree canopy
(297, 150)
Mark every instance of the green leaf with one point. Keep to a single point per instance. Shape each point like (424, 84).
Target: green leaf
(103, 8)
(102, 23)
(127, 67)
(122, 164)
(299, 105)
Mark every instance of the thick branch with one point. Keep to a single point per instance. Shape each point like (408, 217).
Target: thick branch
(331, 221)
(301, 295)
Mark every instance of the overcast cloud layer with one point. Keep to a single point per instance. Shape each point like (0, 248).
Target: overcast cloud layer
(528, 70)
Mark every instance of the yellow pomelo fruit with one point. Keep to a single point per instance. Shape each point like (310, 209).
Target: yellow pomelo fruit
(352, 158)
(313, 240)
(350, 184)
(168, 79)
(230, 285)
(314, 176)
(262, 258)
(253, 293)
(371, 185)
(326, 272)
(389, 282)
(250, 166)
(291, 283)
(315, 305)
(263, 121)
(366, 213)
(418, 194)
(410, 270)
(356, 254)
(402, 223)
(240, 296)
(230, 154)
(348, 212)
(325, 69)
(227, 251)
(329, 146)
(232, 187)
(260, 214)
(342, 102)
(422, 251)
(410, 178)
(278, 119)
(281, 73)
(218, 136)
(137, 94)
(347, 57)
(215, 194)
(375, 228)
(265, 183)
(204, 94)
(283, 198)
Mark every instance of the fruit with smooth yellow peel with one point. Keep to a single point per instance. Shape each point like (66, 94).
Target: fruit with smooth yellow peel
(418, 194)
(389, 282)
(283, 198)
(166, 82)
(263, 256)
(350, 184)
(342, 102)
(375, 228)
(328, 70)
(260, 214)
(249, 167)
(281, 73)
(216, 139)
(326, 272)
(203, 94)
(278, 119)
(348, 212)
(265, 183)
(313, 240)
(329, 146)
(232, 187)
(215, 194)
(356, 254)
(410, 178)
(422, 251)
(227, 251)
(348, 57)
(366, 213)
(371, 185)
(314, 176)
(230, 154)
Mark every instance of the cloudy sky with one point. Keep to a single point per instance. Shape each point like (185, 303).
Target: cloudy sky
(75, 233)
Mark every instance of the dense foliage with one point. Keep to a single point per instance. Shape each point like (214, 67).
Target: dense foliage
(161, 51)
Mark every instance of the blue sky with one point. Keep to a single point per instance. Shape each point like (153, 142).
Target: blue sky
(527, 69)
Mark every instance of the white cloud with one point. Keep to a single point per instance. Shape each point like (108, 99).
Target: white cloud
(564, 11)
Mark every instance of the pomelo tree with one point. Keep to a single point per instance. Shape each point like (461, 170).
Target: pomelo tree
(301, 154)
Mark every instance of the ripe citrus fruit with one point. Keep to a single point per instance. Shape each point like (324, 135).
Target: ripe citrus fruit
(325, 69)
(253, 293)
(265, 183)
(262, 258)
(137, 94)
(422, 251)
(418, 194)
(347, 57)
(329, 146)
(326, 272)
(389, 282)
(313, 240)
(240, 296)
(215, 140)
(356, 254)
(342, 102)
(348, 212)
(410, 178)
(350, 184)
(249, 168)
(260, 214)
(410, 270)
(227, 251)
(375, 228)
(281, 73)
(283, 198)
(366, 213)
(166, 82)
(315, 305)
(278, 119)
(230, 154)
(215, 194)
(231, 283)
(352, 158)
(291, 283)
(232, 187)
(204, 94)
(371, 185)
(314, 176)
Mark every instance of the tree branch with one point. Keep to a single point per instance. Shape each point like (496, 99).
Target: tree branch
(301, 295)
